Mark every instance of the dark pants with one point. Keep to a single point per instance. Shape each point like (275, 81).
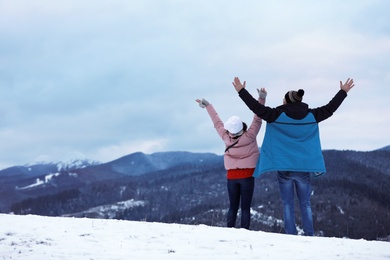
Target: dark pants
(240, 190)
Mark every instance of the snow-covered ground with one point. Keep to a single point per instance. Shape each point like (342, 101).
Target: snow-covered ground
(37, 237)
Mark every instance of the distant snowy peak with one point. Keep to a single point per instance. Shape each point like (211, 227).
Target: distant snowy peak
(46, 173)
(75, 164)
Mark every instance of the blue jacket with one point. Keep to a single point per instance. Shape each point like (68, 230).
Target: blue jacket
(291, 141)
(292, 145)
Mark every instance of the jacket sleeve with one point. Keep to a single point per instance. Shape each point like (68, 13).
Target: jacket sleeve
(218, 124)
(266, 113)
(324, 112)
(256, 122)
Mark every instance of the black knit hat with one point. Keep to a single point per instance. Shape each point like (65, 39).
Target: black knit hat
(294, 96)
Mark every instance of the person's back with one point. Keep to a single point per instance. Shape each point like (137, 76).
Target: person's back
(292, 141)
(292, 147)
(240, 158)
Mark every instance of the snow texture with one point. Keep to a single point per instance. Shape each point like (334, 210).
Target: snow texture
(37, 237)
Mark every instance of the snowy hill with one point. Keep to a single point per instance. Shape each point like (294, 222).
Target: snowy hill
(36, 237)
(351, 200)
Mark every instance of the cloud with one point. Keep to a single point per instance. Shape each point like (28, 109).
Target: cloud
(96, 76)
(113, 152)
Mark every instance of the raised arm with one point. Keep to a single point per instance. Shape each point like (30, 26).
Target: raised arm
(324, 112)
(218, 124)
(266, 113)
(255, 126)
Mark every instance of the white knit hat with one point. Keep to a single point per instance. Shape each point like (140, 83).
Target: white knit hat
(234, 125)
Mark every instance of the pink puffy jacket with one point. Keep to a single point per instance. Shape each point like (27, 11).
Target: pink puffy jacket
(245, 153)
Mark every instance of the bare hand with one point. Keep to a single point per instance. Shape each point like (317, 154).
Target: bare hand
(237, 84)
(347, 85)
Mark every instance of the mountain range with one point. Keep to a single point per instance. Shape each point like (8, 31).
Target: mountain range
(350, 200)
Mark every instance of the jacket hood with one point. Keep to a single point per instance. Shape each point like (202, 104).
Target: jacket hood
(296, 110)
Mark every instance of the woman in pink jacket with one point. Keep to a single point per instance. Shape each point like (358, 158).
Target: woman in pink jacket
(240, 158)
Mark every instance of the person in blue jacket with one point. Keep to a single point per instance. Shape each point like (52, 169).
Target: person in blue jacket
(292, 147)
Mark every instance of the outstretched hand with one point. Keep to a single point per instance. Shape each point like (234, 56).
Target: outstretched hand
(202, 102)
(347, 85)
(262, 93)
(237, 84)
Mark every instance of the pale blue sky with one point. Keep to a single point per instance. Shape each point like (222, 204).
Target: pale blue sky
(102, 79)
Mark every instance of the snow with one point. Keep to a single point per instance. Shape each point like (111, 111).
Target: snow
(109, 210)
(37, 237)
(45, 180)
(39, 182)
(74, 163)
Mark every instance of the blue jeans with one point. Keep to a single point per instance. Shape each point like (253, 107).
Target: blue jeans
(240, 190)
(302, 183)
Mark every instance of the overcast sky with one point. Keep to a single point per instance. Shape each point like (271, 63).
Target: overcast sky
(103, 79)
